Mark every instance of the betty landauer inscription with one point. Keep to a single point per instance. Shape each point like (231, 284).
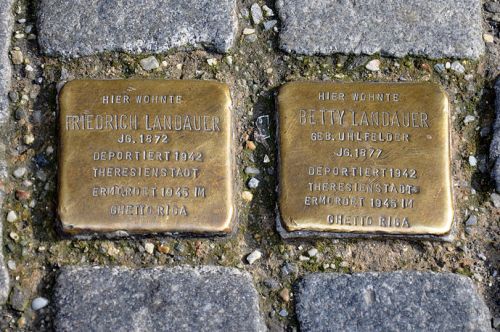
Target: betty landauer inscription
(365, 158)
(145, 156)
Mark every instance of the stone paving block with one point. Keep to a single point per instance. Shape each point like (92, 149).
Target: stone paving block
(85, 27)
(159, 299)
(495, 143)
(398, 301)
(432, 28)
(4, 275)
(6, 22)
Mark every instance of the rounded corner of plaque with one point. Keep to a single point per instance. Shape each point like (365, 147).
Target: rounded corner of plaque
(223, 86)
(225, 92)
(287, 223)
(61, 213)
(227, 229)
(67, 228)
(447, 227)
(229, 223)
(285, 87)
(224, 229)
(64, 220)
(445, 230)
(232, 218)
(67, 86)
(444, 94)
(440, 89)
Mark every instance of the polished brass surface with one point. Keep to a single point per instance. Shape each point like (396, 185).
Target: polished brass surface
(146, 156)
(364, 158)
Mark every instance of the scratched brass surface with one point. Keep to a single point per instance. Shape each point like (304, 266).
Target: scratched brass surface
(114, 152)
(340, 171)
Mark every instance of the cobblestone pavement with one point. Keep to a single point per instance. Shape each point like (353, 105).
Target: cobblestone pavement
(178, 299)
(419, 301)
(433, 29)
(5, 78)
(253, 280)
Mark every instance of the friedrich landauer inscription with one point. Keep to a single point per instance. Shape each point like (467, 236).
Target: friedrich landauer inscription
(145, 156)
(364, 158)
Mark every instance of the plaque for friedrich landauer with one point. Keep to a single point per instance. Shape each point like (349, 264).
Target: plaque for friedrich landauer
(364, 160)
(146, 156)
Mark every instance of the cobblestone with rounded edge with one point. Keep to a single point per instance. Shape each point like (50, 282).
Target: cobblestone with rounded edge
(397, 301)
(437, 28)
(160, 299)
(6, 22)
(495, 143)
(69, 28)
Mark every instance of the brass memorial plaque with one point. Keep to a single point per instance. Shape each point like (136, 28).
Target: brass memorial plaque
(146, 156)
(364, 158)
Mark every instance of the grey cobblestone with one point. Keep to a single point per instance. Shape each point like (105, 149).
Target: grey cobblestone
(79, 28)
(437, 28)
(6, 22)
(5, 79)
(495, 143)
(398, 301)
(176, 299)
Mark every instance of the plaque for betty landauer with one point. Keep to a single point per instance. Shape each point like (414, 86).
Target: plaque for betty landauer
(146, 156)
(364, 159)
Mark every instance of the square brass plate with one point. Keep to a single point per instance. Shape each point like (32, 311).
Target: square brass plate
(146, 156)
(364, 158)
